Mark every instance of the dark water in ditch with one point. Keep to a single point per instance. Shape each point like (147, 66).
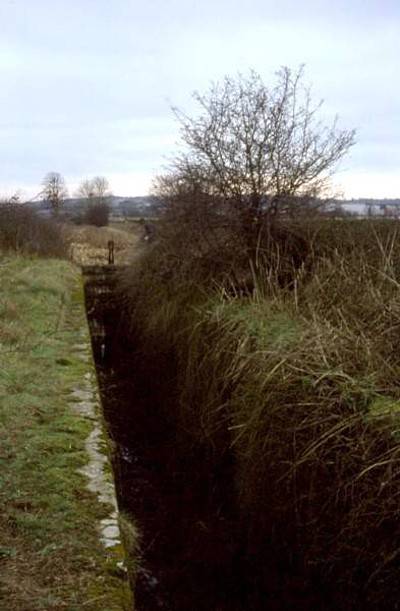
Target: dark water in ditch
(196, 552)
(181, 502)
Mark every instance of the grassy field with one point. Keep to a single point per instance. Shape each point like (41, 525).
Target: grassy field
(50, 554)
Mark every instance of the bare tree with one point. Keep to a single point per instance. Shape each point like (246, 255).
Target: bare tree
(97, 192)
(54, 190)
(95, 189)
(256, 151)
(85, 189)
(101, 187)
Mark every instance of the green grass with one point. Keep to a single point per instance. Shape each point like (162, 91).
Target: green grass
(50, 553)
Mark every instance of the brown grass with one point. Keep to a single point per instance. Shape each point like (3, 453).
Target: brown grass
(88, 244)
(299, 380)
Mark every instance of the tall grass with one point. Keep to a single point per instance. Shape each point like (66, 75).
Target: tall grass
(297, 377)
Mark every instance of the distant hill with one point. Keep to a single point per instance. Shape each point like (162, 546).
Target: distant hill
(368, 206)
(124, 207)
(369, 201)
(120, 207)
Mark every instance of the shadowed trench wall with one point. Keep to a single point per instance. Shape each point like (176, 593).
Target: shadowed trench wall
(201, 547)
(180, 498)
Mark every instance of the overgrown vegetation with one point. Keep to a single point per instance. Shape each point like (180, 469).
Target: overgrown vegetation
(299, 380)
(277, 330)
(97, 214)
(96, 192)
(50, 554)
(23, 231)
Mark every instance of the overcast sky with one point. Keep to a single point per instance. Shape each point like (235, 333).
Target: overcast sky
(87, 85)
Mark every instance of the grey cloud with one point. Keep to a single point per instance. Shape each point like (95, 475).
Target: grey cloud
(87, 84)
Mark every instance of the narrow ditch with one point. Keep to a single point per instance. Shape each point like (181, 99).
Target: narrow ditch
(198, 552)
(181, 502)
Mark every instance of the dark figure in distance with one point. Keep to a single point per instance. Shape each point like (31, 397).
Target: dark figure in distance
(110, 245)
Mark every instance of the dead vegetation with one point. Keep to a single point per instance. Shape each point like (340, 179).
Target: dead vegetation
(299, 381)
(88, 244)
(23, 231)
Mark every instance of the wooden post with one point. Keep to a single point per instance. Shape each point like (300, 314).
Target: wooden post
(110, 245)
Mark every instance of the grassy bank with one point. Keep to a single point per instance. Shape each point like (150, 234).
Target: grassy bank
(298, 382)
(50, 554)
